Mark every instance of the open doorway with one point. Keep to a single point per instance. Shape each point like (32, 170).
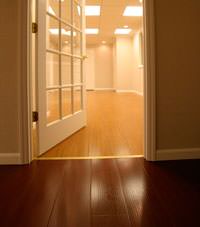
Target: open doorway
(114, 71)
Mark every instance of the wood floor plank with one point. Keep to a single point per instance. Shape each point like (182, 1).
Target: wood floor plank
(106, 193)
(110, 221)
(141, 198)
(72, 206)
(178, 183)
(36, 202)
(14, 181)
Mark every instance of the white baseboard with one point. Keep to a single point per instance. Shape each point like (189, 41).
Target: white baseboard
(178, 154)
(130, 91)
(104, 89)
(10, 159)
(125, 91)
(139, 93)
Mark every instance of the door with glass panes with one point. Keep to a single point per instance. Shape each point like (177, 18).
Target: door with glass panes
(61, 88)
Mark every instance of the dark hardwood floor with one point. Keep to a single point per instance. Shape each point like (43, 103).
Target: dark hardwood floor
(101, 193)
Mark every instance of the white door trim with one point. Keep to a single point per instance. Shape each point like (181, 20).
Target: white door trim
(25, 102)
(149, 87)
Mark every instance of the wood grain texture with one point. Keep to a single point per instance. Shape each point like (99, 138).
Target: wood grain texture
(72, 205)
(114, 128)
(96, 193)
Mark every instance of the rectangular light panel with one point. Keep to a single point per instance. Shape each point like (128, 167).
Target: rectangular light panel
(92, 10)
(91, 31)
(133, 11)
(122, 31)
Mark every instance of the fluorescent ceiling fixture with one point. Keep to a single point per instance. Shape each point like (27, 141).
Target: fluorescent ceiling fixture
(50, 10)
(55, 31)
(133, 11)
(91, 31)
(122, 31)
(92, 10)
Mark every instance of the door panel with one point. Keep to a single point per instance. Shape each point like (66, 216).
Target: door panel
(61, 88)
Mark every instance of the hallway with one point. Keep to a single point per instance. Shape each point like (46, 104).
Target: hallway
(114, 128)
(100, 193)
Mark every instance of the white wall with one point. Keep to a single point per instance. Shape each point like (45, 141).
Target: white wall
(99, 67)
(90, 69)
(117, 66)
(127, 69)
(138, 68)
(124, 63)
(13, 74)
(114, 66)
(103, 67)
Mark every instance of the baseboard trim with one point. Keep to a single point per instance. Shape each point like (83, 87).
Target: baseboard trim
(10, 159)
(104, 89)
(130, 91)
(178, 154)
(139, 93)
(90, 89)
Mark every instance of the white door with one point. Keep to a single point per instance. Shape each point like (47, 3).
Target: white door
(61, 83)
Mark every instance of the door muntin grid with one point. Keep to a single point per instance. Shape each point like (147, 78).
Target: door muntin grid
(64, 61)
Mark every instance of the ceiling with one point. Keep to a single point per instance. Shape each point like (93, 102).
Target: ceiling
(110, 19)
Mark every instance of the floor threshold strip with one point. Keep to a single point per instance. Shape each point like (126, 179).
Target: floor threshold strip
(88, 158)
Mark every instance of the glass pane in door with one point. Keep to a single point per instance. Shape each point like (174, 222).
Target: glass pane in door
(77, 72)
(52, 7)
(52, 33)
(77, 15)
(66, 70)
(66, 102)
(53, 106)
(66, 10)
(52, 70)
(77, 98)
(66, 39)
(77, 43)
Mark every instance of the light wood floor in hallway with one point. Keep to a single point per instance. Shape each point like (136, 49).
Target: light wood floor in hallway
(114, 128)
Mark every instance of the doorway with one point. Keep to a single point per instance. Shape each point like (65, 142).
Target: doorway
(104, 135)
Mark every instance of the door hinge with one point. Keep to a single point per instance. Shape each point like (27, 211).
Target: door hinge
(35, 116)
(34, 27)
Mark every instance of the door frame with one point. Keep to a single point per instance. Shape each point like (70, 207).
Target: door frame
(149, 86)
(149, 81)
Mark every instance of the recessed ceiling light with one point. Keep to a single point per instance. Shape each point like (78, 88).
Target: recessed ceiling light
(92, 10)
(91, 31)
(133, 11)
(103, 42)
(140, 1)
(122, 31)
(55, 31)
(125, 26)
(50, 10)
